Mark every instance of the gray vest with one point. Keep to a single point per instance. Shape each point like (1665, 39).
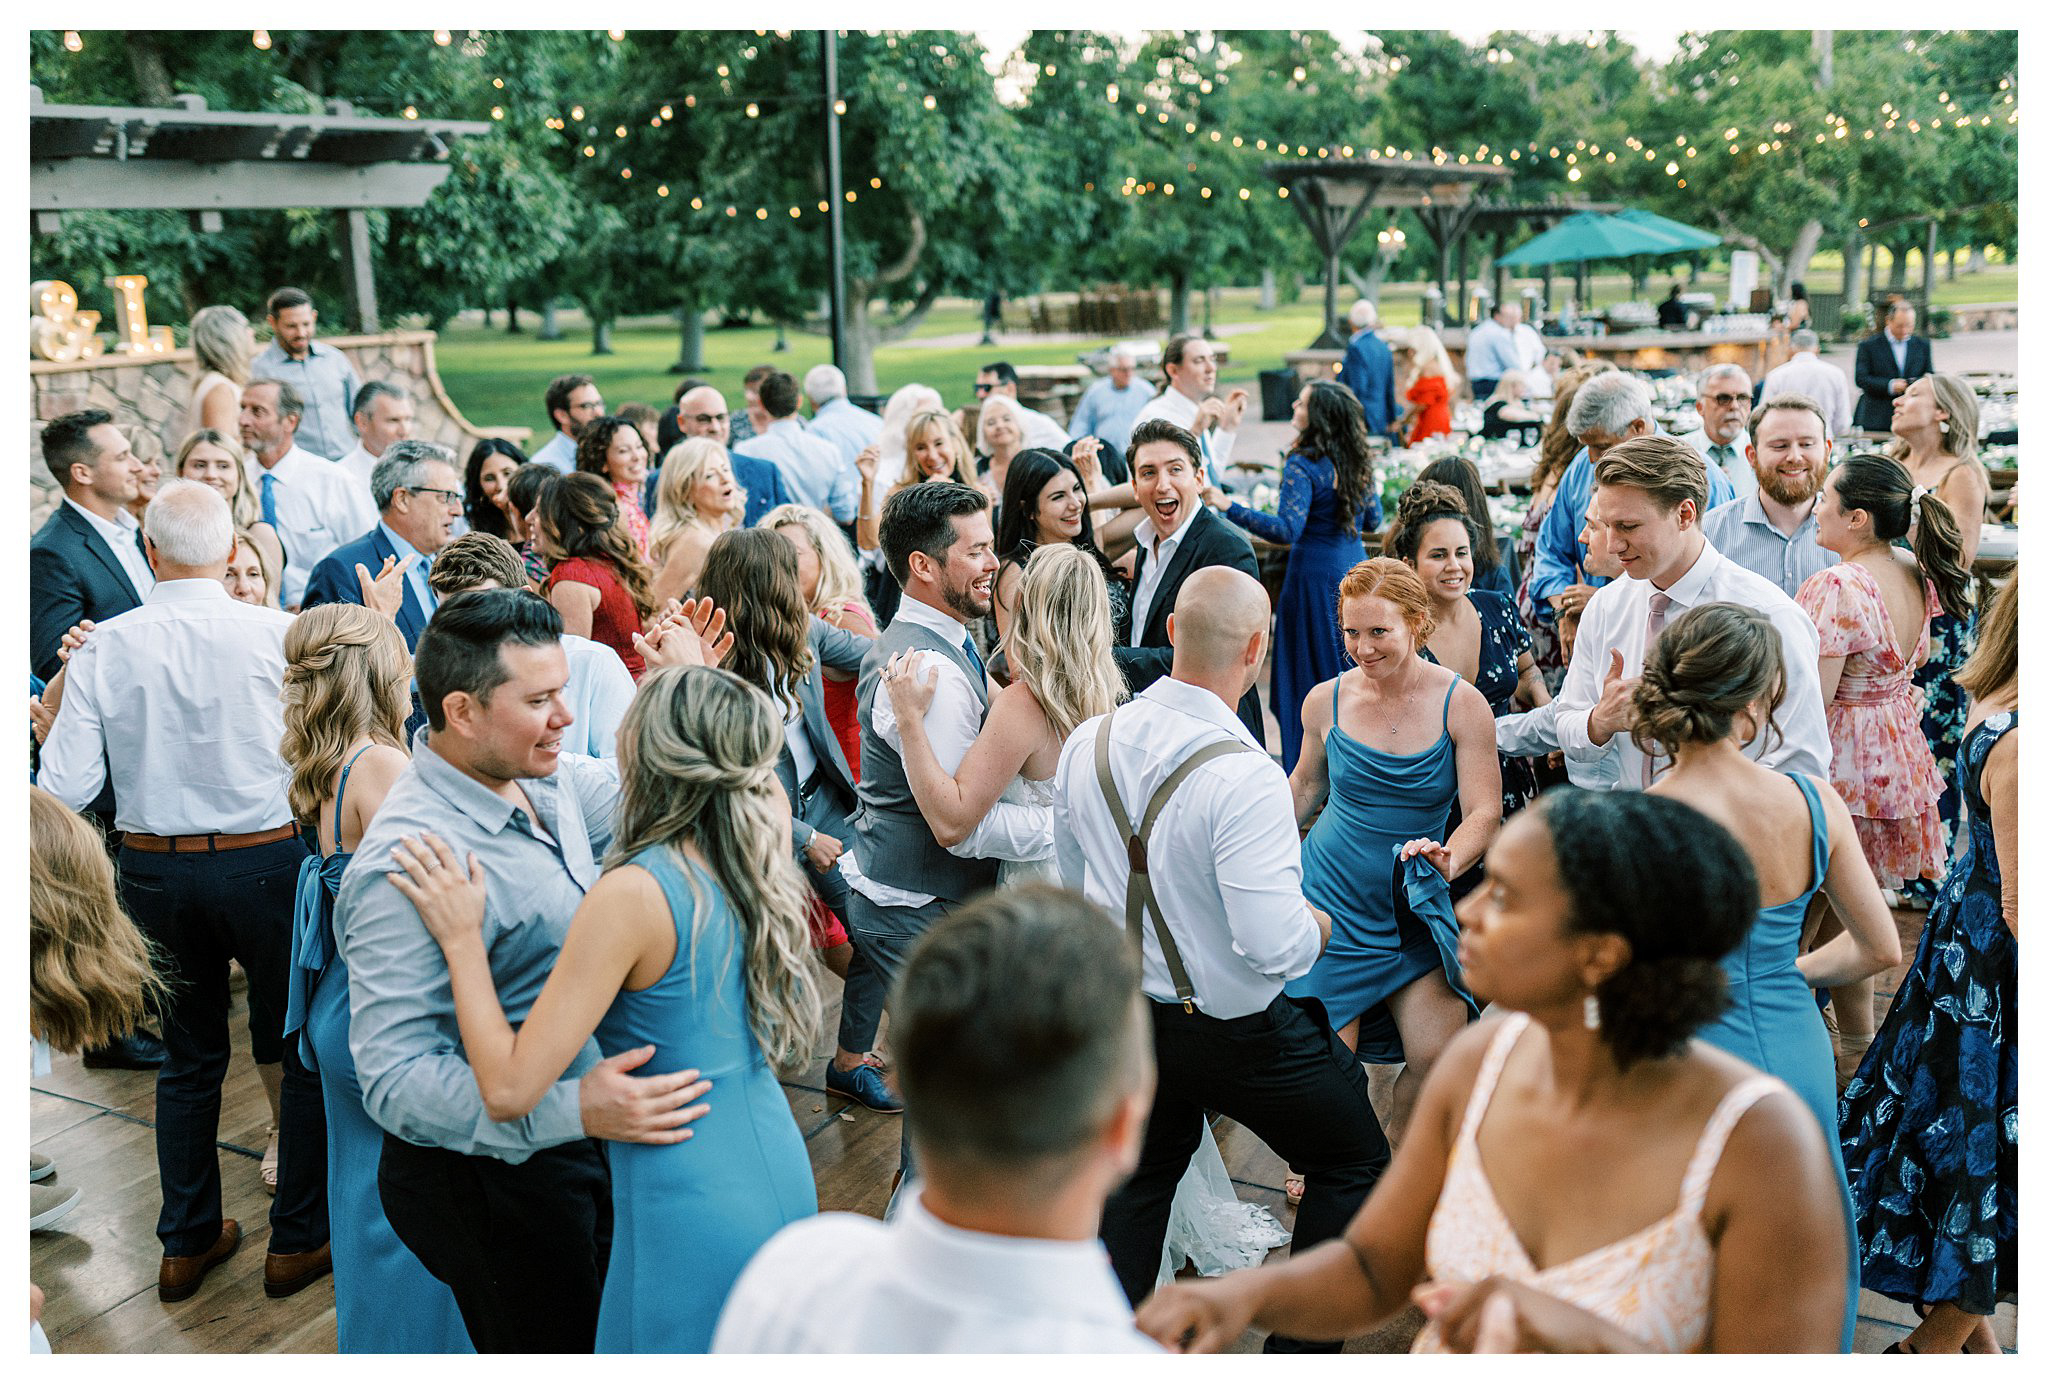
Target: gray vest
(897, 848)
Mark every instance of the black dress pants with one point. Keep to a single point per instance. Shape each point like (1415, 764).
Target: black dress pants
(523, 1246)
(1284, 1075)
(198, 909)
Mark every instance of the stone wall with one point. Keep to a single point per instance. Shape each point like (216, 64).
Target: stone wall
(151, 397)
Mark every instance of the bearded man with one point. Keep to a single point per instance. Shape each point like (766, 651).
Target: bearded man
(1771, 530)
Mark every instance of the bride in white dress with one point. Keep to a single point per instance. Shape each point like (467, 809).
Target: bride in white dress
(1058, 646)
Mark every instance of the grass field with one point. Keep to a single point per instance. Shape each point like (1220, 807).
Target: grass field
(498, 379)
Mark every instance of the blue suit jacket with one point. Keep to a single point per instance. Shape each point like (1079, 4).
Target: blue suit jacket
(762, 480)
(334, 582)
(1368, 371)
(72, 575)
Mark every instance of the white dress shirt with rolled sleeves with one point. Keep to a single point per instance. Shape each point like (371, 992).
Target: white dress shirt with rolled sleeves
(319, 508)
(1225, 854)
(1617, 617)
(1176, 407)
(178, 701)
(1010, 831)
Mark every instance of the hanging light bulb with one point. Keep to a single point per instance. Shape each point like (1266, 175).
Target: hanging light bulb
(261, 38)
(443, 38)
(72, 42)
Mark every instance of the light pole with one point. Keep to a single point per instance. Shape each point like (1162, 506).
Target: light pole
(835, 195)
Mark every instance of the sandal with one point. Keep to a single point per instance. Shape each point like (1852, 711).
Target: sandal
(267, 1169)
(1294, 1185)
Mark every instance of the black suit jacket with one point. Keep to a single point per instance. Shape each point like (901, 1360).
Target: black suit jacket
(1875, 371)
(1144, 656)
(72, 575)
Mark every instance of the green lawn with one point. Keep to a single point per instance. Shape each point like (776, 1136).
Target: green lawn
(497, 379)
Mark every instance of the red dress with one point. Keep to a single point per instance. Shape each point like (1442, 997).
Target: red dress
(616, 619)
(1431, 394)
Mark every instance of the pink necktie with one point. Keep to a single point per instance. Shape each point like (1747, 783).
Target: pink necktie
(1659, 603)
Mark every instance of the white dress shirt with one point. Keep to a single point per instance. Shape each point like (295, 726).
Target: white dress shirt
(179, 701)
(1806, 373)
(1010, 831)
(598, 692)
(1534, 732)
(1225, 854)
(319, 508)
(1736, 468)
(1040, 430)
(558, 451)
(1177, 407)
(915, 1285)
(1155, 564)
(1618, 616)
(358, 462)
(119, 533)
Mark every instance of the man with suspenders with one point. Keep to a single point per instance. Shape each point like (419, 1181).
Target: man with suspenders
(1167, 812)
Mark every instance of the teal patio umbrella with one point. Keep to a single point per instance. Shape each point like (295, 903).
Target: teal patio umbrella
(1591, 236)
(1689, 237)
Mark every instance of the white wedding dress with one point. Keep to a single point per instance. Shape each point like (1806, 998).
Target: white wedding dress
(1208, 1227)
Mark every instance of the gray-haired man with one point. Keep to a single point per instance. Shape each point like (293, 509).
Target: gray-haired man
(419, 496)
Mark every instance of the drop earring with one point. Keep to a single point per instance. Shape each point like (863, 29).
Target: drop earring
(1944, 425)
(1592, 1011)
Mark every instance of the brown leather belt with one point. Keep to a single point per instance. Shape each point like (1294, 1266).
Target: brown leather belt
(208, 844)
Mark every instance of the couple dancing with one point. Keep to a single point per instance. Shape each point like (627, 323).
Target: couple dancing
(956, 786)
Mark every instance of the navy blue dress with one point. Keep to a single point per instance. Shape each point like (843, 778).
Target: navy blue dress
(385, 1301)
(1308, 648)
(1930, 1122)
(1503, 639)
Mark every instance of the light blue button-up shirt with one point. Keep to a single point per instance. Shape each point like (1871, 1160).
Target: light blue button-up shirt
(402, 1029)
(811, 467)
(1110, 413)
(848, 427)
(415, 575)
(558, 451)
(1742, 533)
(326, 384)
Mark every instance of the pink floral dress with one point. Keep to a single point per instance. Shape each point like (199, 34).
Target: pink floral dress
(1883, 768)
(630, 513)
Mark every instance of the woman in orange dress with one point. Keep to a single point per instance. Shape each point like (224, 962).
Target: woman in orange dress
(1430, 386)
(1872, 610)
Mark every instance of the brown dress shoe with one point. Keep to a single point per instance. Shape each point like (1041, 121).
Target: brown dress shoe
(285, 1274)
(181, 1274)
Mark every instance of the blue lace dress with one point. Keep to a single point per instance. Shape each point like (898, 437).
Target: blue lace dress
(1308, 648)
(1930, 1122)
(385, 1301)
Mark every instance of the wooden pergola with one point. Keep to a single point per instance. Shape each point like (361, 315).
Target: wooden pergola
(1332, 197)
(188, 158)
(1452, 232)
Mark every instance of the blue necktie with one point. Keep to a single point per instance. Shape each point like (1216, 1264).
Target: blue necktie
(426, 567)
(974, 657)
(270, 499)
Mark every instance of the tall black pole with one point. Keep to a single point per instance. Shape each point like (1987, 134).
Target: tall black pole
(835, 194)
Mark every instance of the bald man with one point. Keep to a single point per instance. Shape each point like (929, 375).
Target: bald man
(701, 412)
(1216, 907)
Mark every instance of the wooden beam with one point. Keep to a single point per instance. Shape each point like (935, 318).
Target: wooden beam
(141, 184)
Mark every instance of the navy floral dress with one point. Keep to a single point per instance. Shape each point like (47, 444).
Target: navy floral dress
(1503, 639)
(1944, 711)
(1930, 1122)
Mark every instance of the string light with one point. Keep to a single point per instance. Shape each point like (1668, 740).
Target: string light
(261, 38)
(72, 42)
(442, 38)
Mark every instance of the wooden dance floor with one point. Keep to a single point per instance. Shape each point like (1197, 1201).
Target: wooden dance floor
(98, 1265)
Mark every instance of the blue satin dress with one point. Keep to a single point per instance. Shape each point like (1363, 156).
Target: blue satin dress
(1773, 1023)
(687, 1217)
(1390, 923)
(385, 1301)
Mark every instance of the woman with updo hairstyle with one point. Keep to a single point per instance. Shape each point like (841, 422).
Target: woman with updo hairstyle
(693, 940)
(347, 693)
(1474, 633)
(599, 583)
(614, 450)
(1327, 499)
(1554, 453)
(1489, 571)
(1710, 686)
(1393, 746)
(1703, 1219)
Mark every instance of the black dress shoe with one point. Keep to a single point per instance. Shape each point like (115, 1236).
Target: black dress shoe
(133, 1052)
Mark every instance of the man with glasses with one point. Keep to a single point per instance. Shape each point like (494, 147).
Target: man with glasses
(1723, 434)
(419, 496)
(1039, 430)
(701, 412)
(573, 401)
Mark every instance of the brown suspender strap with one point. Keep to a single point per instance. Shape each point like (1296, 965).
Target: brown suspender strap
(1138, 896)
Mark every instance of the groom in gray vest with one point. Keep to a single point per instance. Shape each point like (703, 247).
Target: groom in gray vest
(940, 547)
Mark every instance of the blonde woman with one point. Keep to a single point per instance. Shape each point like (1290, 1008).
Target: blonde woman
(998, 437)
(213, 457)
(697, 500)
(694, 940)
(347, 691)
(1430, 381)
(222, 347)
(934, 449)
(250, 579)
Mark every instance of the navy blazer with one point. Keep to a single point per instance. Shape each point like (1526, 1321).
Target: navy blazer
(72, 575)
(1368, 371)
(334, 582)
(1875, 371)
(1144, 656)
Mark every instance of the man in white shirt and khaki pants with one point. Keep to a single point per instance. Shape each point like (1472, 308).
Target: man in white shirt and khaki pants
(1167, 814)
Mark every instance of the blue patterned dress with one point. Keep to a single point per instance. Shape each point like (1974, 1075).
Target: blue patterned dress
(1503, 639)
(1944, 711)
(1308, 647)
(1930, 1122)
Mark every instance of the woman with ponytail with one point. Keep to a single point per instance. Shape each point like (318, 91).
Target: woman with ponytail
(694, 940)
(347, 693)
(1711, 1227)
(1708, 688)
(1874, 611)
